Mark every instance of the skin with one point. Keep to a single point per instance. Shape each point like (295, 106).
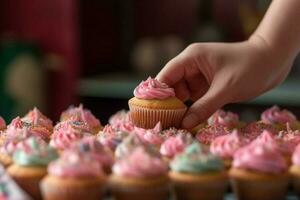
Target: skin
(215, 74)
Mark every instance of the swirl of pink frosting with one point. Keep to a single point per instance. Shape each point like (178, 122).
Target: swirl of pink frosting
(259, 157)
(111, 137)
(276, 143)
(175, 144)
(140, 164)
(275, 115)
(74, 164)
(207, 134)
(11, 144)
(150, 136)
(290, 136)
(225, 146)
(153, 89)
(38, 119)
(82, 114)
(67, 132)
(296, 156)
(2, 124)
(95, 149)
(222, 118)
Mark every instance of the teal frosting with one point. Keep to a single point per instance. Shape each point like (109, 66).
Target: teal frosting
(34, 152)
(196, 159)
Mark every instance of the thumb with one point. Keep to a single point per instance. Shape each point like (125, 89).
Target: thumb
(204, 107)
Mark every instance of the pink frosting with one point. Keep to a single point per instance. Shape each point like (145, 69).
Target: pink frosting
(83, 115)
(225, 146)
(276, 143)
(175, 144)
(2, 124)
(11, 144)
(67, 132)
(290, 136)
(150, 136)
(121, 121)
(222, 118)
(74, 164)
(38, 119)
(296, 156)
(140, 164)
(274, 115)
(259, 157)
(153, 89)
(208, 134)
(95, 149)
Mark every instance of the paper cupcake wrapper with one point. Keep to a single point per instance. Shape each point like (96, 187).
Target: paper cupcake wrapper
(148, 118)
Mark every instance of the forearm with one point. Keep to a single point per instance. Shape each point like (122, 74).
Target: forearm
(280, 28)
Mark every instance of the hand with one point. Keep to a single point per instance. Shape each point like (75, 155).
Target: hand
(214, 74)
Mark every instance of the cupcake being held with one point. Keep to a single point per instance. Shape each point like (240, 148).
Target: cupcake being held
(225, 146)
(74, 176)
(259, 172)
(155, 102)
(140, 175)
(278, 118)
(84, 115)
(90, 145)
(198, 174)
(30, 164)
(226, 119)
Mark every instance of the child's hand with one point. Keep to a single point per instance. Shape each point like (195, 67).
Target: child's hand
(214, 74)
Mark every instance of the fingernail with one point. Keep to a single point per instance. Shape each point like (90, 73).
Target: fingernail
(190, 121)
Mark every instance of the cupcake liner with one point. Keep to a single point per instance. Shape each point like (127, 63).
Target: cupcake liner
(30, 185)
(77, 189)
(260, 190)
(148, 118)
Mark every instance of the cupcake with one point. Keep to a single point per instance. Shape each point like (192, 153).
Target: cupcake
(90, 145)
(207, 134)
(226, 119)
(254, 129)
(74, 176)
(155, 102)
(111, 137)
(151, 136)
(30, 165)
(259, 172)
(140, 175)
(67, 132)
(290, 136)
(83, 115)
(278, 118)
(225, 146)
(36, 118)
(175, 144)
(126, 147)
(198, 174)
(295, 170)
(121, 121)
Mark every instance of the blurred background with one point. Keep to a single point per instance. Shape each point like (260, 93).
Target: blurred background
(54, 53)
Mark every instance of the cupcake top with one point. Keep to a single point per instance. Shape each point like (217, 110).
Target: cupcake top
(207, 134)
(276, 143)
(34, 152)
(174, 131)
(259, 157)
(2, 124)
(97, 151)
(83, 114)
(196, 160)
(11, 143)
(225, 146)
(150, 136)
(255, 128)
(290, 136)
(175, 144)
(38, 119)
(223, 118)
(75, 165)
(141, 163)
(15, 126)
(111, 137)
(274, 115)
(296, 156)
(127, 146)
(67, 132)
(121, 121)
(153, 89)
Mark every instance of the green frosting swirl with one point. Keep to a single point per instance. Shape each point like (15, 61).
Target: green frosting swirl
(34, 152)
(195, 159)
